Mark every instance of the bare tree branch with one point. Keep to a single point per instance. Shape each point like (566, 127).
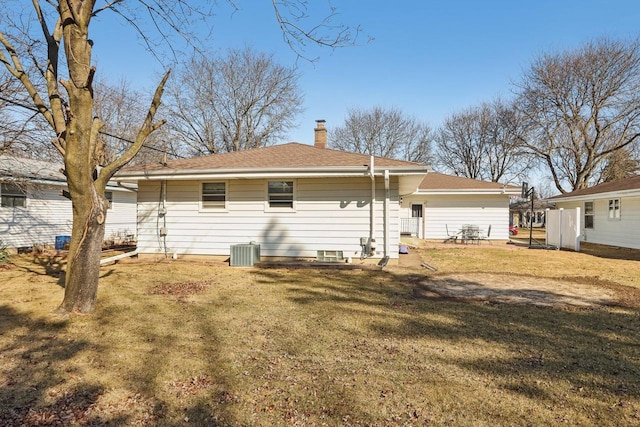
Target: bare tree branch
(292, 18)
(237, 101)
(581, 107)
(386, 132)
(145, 130)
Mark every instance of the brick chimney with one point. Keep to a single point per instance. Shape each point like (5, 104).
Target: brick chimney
(320, 134)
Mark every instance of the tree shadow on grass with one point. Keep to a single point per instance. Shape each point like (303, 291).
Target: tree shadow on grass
(52, 266)
(46, 264)
(36, 390)
(595, 348)
(176, 392)
(42, 384)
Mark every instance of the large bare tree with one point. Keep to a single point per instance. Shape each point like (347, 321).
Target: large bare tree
(620, 165)
(18, 124)
(122, 108)
(237, 101)
(580, 107)
(482, 142)
(384, 131)
(67, 102)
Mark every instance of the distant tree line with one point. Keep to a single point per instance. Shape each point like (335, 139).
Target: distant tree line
(575, 115)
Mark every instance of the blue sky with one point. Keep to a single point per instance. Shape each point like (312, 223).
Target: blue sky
(428, 58)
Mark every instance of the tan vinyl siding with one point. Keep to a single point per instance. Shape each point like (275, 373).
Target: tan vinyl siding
(329, 214)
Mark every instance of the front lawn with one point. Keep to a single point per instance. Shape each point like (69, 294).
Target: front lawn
(184, 343)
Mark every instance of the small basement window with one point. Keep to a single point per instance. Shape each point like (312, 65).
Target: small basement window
(280, 194)
(12, 196)
(214, 196)
(588, 214)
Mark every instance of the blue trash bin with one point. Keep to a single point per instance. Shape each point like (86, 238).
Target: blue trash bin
(61, 241)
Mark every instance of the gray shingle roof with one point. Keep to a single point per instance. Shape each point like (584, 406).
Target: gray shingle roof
(21, 168)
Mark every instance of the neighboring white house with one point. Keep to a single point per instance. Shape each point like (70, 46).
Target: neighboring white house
(611, 212)
(444, 203)
(521, 212)
(292, 199)
(33, 210)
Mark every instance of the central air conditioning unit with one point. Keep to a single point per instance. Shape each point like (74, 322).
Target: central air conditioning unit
(244, 255)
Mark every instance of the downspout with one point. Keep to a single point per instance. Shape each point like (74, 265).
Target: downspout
(372, 229)
(424, 221)
(162, 214)
(386, 213)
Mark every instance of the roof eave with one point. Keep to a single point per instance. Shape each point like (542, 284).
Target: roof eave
(620, 193)
(467, 191)
(111, 185)
(245, 173)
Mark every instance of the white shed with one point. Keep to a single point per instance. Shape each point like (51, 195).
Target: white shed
(611, 212)
(444, 203)
(33, 210)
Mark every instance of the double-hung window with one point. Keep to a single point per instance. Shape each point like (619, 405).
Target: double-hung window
(213, 196)
(588, 214)
(280, 194)
(614, 208)
(12, 196)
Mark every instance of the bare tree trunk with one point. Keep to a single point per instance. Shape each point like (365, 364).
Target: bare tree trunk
(76, 130)
(83, 271)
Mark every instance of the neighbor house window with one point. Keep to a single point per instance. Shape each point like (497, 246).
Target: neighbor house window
(280, 194)
(588, 214)
(12, 196)
(214, 195)
(109, 196)
(614, 208)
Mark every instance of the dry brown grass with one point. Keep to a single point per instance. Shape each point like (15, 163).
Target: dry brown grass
(184, 343)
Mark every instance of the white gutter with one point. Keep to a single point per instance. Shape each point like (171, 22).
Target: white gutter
(497, 192)
(593, 196)
(111, 186)
(39, 181)
(386, 213)
(277, 175)
(190, 174)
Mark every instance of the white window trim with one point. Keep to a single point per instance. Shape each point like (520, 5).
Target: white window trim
(267, 206)
(23, 195)
(202, 209)
(619, 210)
(592, 214)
